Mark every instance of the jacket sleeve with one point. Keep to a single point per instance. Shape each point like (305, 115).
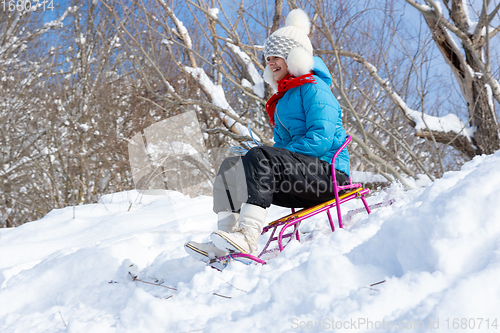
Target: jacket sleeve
(321, 116)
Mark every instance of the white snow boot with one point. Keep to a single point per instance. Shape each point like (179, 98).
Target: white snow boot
(245, 238)
(207, 252)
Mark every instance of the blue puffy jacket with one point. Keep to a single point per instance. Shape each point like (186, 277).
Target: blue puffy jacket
(309, 122)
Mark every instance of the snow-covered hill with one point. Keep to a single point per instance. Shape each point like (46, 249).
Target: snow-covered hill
(437, 249)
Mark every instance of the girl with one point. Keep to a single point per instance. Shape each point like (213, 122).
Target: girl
(296, 171)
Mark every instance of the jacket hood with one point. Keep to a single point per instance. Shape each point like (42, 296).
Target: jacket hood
(321, 71)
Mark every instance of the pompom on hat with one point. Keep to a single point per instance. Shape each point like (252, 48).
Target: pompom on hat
(292, 44)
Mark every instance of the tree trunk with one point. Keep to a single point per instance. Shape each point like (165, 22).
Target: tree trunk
(471, 80)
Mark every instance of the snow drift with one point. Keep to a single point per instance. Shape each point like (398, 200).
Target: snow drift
(431, 260)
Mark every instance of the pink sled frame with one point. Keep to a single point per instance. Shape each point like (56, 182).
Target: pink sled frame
(296, 222)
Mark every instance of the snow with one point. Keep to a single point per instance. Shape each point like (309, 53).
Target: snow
(247, 84)
(84, 127)
(425, 8)
(489, 93)
(431, 259)
(472, 25)
(366, 177)
(180, 28)
(448, 123)
(214, 12)
(256, 77)
(178, 23)
(165, 41)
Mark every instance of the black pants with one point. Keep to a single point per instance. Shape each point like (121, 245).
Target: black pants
(268, 175)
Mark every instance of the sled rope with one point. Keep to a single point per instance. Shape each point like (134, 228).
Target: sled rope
(239, 150)
(246, 263)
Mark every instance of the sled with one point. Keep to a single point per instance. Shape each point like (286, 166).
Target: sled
(280, 226)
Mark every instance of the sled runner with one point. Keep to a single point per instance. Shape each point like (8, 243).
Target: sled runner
(279, 226)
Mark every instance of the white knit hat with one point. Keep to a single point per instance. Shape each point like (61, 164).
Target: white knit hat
(292, 44)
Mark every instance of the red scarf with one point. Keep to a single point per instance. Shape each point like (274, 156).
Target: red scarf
(286, 83)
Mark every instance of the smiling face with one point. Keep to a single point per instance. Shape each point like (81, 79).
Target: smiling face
(278, 67)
